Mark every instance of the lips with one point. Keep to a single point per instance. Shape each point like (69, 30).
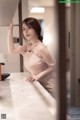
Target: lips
(27, 35)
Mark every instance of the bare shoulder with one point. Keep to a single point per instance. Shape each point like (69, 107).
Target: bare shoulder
(42, 49)
(41, 46)
(44, 53)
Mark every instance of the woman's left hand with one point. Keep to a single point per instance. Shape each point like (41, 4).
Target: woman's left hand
(33, 78)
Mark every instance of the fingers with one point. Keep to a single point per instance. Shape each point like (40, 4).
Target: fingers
(11, 26)
(30, 79)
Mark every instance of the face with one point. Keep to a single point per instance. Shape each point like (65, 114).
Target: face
(28, 32)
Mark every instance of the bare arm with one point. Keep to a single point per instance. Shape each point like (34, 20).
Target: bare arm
(10, 39)
(11, 47)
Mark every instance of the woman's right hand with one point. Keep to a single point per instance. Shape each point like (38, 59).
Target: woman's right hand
(11, 26)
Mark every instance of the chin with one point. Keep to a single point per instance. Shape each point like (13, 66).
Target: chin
(28, 41)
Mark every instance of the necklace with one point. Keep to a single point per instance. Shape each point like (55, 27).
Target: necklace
(33, 46)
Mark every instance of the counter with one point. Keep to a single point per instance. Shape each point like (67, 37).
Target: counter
(22, 100)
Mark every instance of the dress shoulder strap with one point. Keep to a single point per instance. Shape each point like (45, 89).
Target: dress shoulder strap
(38, 55)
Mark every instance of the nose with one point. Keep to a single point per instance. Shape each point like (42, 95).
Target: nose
(26, 31)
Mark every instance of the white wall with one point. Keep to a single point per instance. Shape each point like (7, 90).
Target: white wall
(50, 30)
(13, 61)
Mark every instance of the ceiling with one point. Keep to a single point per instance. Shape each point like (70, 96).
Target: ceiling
(8, 7)
(45, 3)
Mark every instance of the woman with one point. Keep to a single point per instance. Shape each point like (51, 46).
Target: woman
(37, 59)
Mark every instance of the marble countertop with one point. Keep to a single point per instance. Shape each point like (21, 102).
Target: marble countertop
(22, 100)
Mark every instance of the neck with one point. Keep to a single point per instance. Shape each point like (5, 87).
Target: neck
(34, 41)
(33, 45)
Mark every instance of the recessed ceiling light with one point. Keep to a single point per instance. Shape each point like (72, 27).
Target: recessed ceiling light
(37, 10)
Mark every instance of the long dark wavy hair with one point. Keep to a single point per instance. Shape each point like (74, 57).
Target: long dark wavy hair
(34, 23)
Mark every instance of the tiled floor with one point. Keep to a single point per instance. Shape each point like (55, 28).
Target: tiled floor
(73, 113)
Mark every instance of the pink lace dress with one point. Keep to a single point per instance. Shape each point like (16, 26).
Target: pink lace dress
(35, 65)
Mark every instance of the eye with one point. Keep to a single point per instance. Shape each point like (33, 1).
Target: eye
(23, 29)
(29, 27)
